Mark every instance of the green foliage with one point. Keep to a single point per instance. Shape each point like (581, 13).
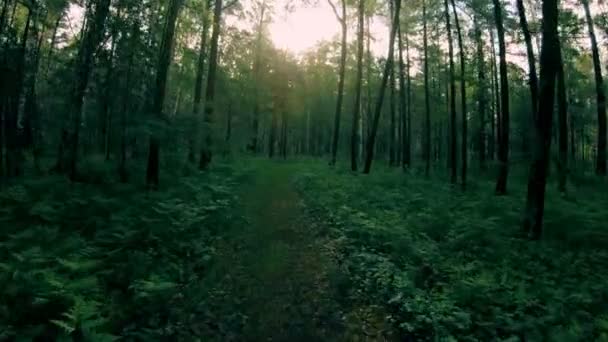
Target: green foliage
(448, 265)
(107, 262)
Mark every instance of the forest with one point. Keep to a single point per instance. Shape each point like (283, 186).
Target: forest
(303, 170)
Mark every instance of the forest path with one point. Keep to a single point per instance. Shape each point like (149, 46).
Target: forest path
(278, 265)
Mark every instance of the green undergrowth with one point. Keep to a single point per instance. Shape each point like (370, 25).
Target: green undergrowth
(447, 265)
(103, 261)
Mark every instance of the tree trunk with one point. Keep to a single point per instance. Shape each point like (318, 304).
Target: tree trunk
(532, 77)
(403, 105)
(106, 114)
(52, 45)
(503, 136)
(408, 143)
(159, 91)
(453, 161)
(206, 150)
(92, 37)
(387, 68)
(481, 94)
(600, 166)
(336, 134)
(355, 137)
(256, 71)
(198, 83)
(427, 105)
(273, 133)
(122, 166)
(535, 201)
(463, 100)
(562, 108)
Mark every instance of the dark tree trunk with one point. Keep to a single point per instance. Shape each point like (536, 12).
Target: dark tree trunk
(3, 16)
(338, 113)
(122, 166)
(228, 125)
(496, 100)
(453, 161)
(503, 136)
(284, 135)
(408, 143)
(392, 151)
(427, 105)
(31, 119)
(159, 91)
(106, 114)
(92, 37)
(600, 166)
(272, 134)
(355, 137)
(532, 76)
(206, 150)
(256, 71)
(481, 95)
(12, 92)
(387, 68)
(562, 108)
(535, 202)
(403, 105)
(49, 57)
(463, 99)
(198, 83)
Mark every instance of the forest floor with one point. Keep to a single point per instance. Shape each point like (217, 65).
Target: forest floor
(258, 250)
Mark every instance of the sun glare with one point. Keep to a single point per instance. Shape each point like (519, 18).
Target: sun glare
(301, 29)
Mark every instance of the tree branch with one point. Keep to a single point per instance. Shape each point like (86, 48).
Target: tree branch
(333, 7)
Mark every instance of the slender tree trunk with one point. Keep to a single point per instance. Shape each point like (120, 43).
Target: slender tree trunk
(92, 36)
(535, 202)
(495, 98)
(284, 134)
(392, 151)
(206, 150)
(355, 137)
(481, 94)
(122, 166)
(600, 166)
(3, 15)
(336, 134)
(368, 80)
(427, 109)
(463, 99)
(403, 105)
(273, 133)
(562, 107)
(106, 97)
(198, 83)
(532, 76)
(159, 91)
(408, 143)
(256, 71)
(13, 94)
(228, 124)
(452, 107)
(387, 67)
(503, 136)
(49, 57)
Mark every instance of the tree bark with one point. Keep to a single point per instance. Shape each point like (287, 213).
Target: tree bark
(198, 82)
(535, 201)
(92, 37)
(387, 67)
(463, 100)
(532, 76)
(355, 137)
(403, 106)
(206, 150)
(562, 108)
(256, 71)
(338, 113)
(427, 109)
(600, 164)
(452, 106)
(503, 136)
(481, 94)
(159, 91)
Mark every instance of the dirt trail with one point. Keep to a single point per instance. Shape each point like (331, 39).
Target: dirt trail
(278, 266)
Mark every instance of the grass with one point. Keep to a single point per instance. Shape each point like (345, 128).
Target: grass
(452, 265)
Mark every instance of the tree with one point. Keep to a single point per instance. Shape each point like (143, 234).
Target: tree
(159, 91)
(463, 98)
(562, 109)
(549, 59)
(600, 164)
(452, 160)
(336, 135)
(355, 137)
(93, 33)
(481, 93)
(378, 109)
(503, 130)
(427, 109)
(206, 149)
